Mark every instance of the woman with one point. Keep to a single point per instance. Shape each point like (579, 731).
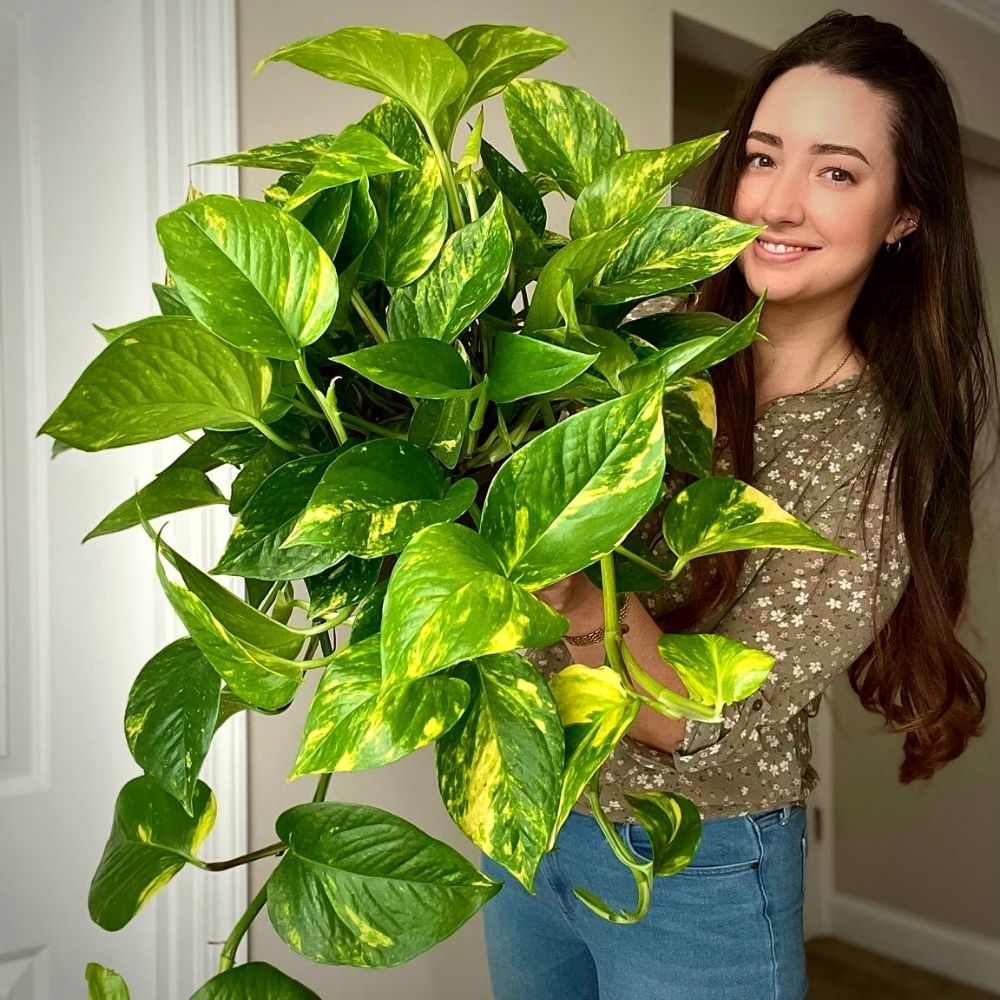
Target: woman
(859, 415)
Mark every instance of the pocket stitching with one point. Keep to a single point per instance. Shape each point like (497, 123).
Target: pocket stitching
(692, 870)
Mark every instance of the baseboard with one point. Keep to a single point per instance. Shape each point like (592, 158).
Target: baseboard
(961, 955)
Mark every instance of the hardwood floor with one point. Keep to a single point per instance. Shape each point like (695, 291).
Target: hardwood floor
(840, 971)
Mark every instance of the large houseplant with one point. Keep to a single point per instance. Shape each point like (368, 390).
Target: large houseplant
(437, 408)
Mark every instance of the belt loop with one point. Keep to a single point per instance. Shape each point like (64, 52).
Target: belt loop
(786, 811)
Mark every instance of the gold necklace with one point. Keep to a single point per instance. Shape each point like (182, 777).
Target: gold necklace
(810, 389)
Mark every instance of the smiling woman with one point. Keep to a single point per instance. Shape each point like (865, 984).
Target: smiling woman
(858, 413)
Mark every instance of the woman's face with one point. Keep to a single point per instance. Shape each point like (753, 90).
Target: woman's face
(841, 203)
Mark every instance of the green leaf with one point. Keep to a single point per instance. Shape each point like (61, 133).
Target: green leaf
(525, 366)
(254, 546)
(254, 981)
(411, 206)
(255, 276)
(591, 478)
(297, 156)
(170, 301)
(674, 246)
(201, 454)
(171, 716)
(493, 55)
(500, 768)
(690, 425)
(251, 477)
(521, 193)
(171, 491)
(355, 724)
(422, 367)
(345, 583)
(596, 710)
(152, 838)
(637, 177)
(562, 132)
(359, 886)
(105, 984)
(464, 280)
(449, 599)
(368, 615)
(440, 425)
(169, 375)
(419, 70)
(375, 496)
(674, 827)
(723, 514)
(696, 354)
(716, 670)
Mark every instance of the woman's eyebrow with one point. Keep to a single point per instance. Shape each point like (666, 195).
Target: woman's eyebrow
(817, 148)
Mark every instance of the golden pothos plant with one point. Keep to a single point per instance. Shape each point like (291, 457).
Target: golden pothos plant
(437, 407)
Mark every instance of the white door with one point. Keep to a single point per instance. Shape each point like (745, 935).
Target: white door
(85, 126)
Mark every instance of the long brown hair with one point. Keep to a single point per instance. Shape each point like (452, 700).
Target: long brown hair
(920, 321)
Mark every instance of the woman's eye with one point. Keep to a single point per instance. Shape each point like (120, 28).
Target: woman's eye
(846, 176)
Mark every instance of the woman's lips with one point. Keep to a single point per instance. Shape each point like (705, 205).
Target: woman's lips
(779, 258)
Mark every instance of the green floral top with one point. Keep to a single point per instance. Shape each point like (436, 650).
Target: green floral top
(811, 610)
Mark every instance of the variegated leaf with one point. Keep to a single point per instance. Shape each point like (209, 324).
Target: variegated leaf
(515, 187)
(168, 375)
(256, 980)
(423, 366)
(562, 132)
(674, 246)
(151, 840)
(105, 984)
(360, 886)
(419, 70)
(499, 769)
(674, 827)
(375, 496)
(638, 177)
(591, 477)
(690, 425)
(527, 366)
(251, 273)
(596, 710)
(464, 280)
(295, 155)
(411, 206)
(355, 724)
(449, 600)
(346, 583)
(716, 670)
(170, 717)
(440, 426)
(723, 514)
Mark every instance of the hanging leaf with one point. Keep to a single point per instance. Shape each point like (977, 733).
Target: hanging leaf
(254, 981)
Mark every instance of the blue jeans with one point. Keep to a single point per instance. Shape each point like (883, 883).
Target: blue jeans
(727, 927)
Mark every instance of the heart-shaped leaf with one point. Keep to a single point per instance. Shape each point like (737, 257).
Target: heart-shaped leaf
(171, 715)
(440, 426)
(514, 186)
(562, 132)
(590, 478)
(168, 375)
(526, 366)
(152, 838)
(355, 724)
(359, 886)
(464, 280)
(254, 981)
(596, 710)
(690, 425)
(340, 585)
(375, 496)
(255, 276)
(500, 768)
(105, 984)
(674, 827)
(723, 514)
(449, 599)
(422, 367)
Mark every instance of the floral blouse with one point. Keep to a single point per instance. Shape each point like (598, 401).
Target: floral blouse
(812, 610)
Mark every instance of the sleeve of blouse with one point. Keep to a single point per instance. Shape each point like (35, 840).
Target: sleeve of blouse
(813, 612)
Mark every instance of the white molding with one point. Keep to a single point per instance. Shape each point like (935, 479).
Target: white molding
(30, 379)
(191, 114)
(961, 955)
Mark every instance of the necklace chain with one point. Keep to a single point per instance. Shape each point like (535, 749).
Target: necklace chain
(817, 385)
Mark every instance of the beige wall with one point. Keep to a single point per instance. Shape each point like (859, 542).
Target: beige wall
(894, 845)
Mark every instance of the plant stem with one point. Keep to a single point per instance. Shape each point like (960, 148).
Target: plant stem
(264, 852)
(329, 409)
(228, 955)
(470, 197)
(187, 437)
(270, 433)
(364, 425)
(447, 177)
(321, 786)
(476, 513)
(639, 561)
(368, 318)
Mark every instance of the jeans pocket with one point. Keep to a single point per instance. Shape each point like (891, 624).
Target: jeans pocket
(637, 838)
(805, 856)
